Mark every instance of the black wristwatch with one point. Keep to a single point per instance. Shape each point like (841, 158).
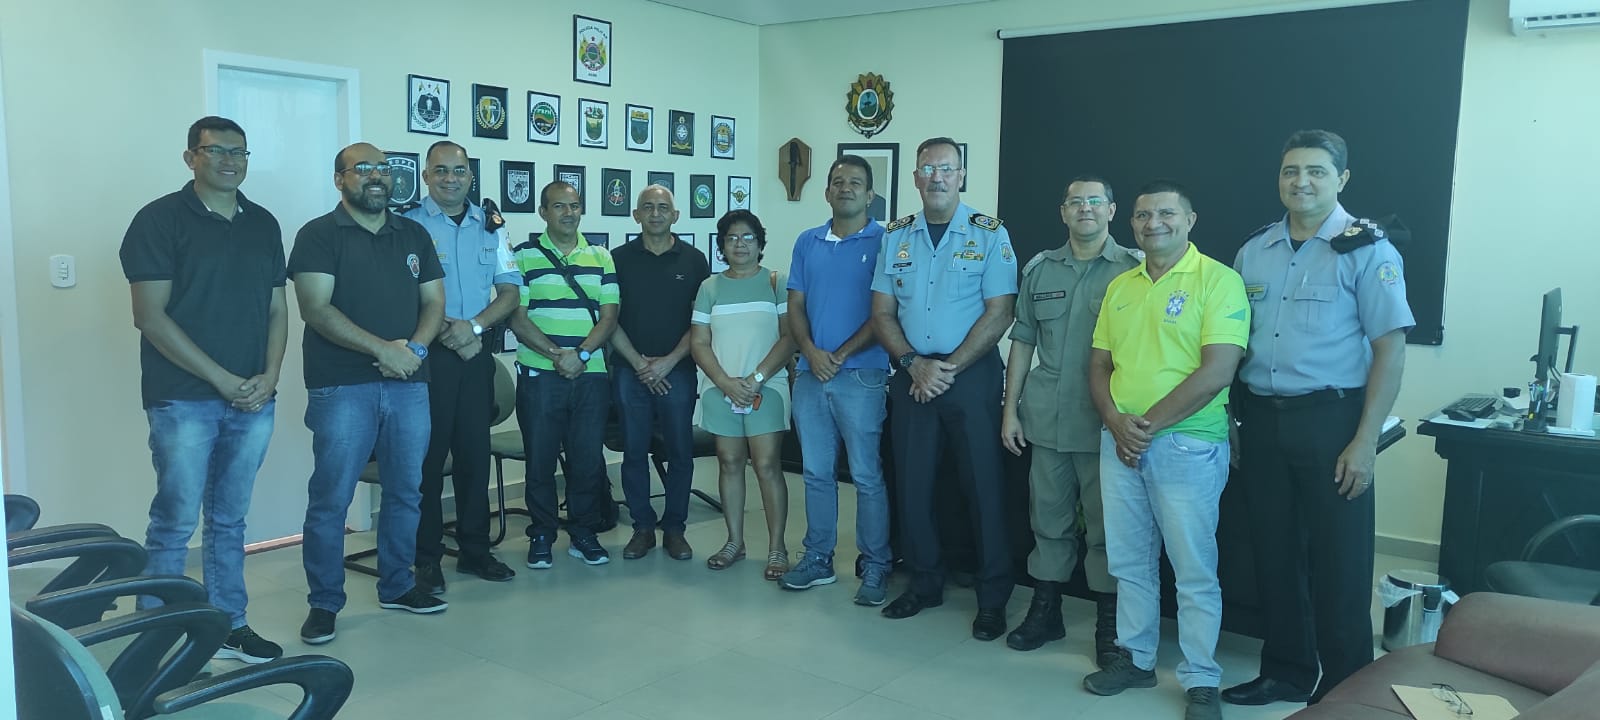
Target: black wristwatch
(907, 359)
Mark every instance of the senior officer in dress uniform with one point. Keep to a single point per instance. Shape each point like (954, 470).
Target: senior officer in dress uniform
(1327, 348)
(1051, 407)
(481, 286)
(943, 295)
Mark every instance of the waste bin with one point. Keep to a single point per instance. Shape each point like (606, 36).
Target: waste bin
(1414, 605)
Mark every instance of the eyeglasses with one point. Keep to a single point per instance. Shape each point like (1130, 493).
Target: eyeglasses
(215, 152)
(367, 168)
(1094, 202)
(746, 239)
(929, 170)
(1452, 699)
(442, 171)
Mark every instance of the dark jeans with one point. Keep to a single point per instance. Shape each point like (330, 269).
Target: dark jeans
(461, 400)
(560, 415)
(643, 414)
(1313, 548)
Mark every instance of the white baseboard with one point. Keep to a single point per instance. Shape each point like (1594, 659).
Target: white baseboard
(1407, 548)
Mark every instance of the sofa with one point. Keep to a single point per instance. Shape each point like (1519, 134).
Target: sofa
(1542, 655)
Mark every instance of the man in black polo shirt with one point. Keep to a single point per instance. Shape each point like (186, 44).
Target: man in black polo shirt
(657, 276)
(207, 275)
(370, 291)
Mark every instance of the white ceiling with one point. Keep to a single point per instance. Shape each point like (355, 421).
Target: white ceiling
(775, 12)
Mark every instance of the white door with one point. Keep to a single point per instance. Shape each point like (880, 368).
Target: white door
(295, 117)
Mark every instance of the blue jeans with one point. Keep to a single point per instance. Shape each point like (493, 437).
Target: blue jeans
(851, 406)
(643, 414)
(560, 416)
(351, 424)
(1172, 498)
(206, 455)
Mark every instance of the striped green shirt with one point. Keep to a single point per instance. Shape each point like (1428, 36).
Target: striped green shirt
(552, 305)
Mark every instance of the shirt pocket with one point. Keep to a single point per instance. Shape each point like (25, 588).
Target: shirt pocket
(1313, 306)
(902, 276)
(968, 276)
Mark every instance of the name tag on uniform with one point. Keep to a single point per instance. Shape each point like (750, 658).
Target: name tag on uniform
(1255, 292)
(902, 264)
(1057, 295)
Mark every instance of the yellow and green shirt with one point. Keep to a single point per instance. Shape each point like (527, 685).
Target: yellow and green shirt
(551, 304)
(1154, 331)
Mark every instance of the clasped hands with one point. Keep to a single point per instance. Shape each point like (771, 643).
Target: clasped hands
(652, 372)
(1132, 435)
(930, 378)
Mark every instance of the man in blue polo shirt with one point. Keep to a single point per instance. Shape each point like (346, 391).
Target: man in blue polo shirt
(839, 391)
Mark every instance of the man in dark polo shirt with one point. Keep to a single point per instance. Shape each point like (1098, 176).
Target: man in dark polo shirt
(370, 291)
(658, 275)
(207, 274)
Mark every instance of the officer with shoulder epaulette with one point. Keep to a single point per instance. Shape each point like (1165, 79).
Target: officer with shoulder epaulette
(1327, 347)
(481, 285)
(1049, 406)
(944, 293)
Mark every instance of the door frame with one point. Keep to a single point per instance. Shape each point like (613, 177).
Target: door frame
(13, 446)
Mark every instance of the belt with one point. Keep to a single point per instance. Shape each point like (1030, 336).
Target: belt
(1319, 397)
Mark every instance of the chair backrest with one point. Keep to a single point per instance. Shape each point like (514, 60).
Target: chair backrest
(22, 513)
(60, 679)
(505, 393)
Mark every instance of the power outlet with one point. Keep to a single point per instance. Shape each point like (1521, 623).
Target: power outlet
(63, 271)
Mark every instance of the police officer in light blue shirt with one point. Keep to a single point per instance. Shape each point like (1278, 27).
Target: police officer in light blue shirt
(944, 294)
(1327, 347)
(480, 288)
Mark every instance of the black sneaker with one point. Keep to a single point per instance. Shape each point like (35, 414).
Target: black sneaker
(416, 601)
(539, 555)
(1203, 704)
(1120, 674)
(318, 627)
(430, 578)
(245, 645)
(588, 549)
(487, 568)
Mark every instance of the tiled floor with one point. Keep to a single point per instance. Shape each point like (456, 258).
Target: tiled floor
(660, 639)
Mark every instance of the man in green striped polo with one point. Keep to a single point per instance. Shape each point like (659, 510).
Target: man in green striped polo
(569, 300)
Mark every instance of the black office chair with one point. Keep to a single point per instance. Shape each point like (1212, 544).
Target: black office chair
(1528, 577)
(22, 513)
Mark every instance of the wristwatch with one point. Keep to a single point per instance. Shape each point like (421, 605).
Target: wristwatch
(584, 355)
(759, 378)
(418, 348)
(907, 359)
(476, 328)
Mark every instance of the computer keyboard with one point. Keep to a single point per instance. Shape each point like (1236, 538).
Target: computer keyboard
(1470, 408)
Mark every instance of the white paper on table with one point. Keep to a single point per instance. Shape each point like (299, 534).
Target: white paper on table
(1424, 706)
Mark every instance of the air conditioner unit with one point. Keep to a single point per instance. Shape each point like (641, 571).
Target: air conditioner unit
(1536, 17)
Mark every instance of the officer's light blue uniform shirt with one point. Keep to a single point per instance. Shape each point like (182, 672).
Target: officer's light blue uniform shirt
(474, 259)
(940, 291)
(1313, 313)
(836, 277)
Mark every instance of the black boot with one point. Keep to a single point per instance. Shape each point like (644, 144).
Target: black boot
(1043, 622)
(1105, 629)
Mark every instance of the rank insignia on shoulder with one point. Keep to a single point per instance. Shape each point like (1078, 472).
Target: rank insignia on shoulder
(404, 208)
(901, 223)
(1360, 234)
(492, 220)
(984, 221)
(1037, 258)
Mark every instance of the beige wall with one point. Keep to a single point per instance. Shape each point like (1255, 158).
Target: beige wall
(1519, 227)
(99, 93)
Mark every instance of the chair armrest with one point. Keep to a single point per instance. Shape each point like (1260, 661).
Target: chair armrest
(1537, 643)
(1553, 530)
(325, 681)
(170, 645)
(21, 513)
(97, 558)
(57, 533)
(76, 607)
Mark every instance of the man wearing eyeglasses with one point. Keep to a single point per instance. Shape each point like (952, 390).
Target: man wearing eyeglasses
(370, 291)
(1050, 407)
(1327, 350)
(481, 283)
(944, 292)
(206, 270)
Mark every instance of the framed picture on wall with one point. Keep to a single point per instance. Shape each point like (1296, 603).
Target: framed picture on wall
(680, 132)
(488, 111)
(630, 237)
(598, 239)
(475, 190)
(640, 120)
(885, 161)
(407, 179)
(702, 196)
(516, 187)
(592, 123)
(573, 175)
(427, 105)
(664, 179)
(544, 118)
(722, 137)
(714, 254)
(963, 166)
(738, 193)
(591, 50)
(616, 192)
(687, 238)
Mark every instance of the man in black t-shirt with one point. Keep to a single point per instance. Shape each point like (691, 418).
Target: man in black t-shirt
(369, 287)
(207, 274)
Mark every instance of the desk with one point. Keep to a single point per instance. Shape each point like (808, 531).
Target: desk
(1501, 486)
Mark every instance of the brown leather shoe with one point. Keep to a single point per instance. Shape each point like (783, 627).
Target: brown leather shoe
(676, 546)
(639, 545)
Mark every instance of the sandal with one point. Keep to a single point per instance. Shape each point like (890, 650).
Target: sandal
(777, 564)
(730, 553)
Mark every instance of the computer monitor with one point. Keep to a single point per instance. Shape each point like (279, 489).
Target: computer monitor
(1550, 332)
